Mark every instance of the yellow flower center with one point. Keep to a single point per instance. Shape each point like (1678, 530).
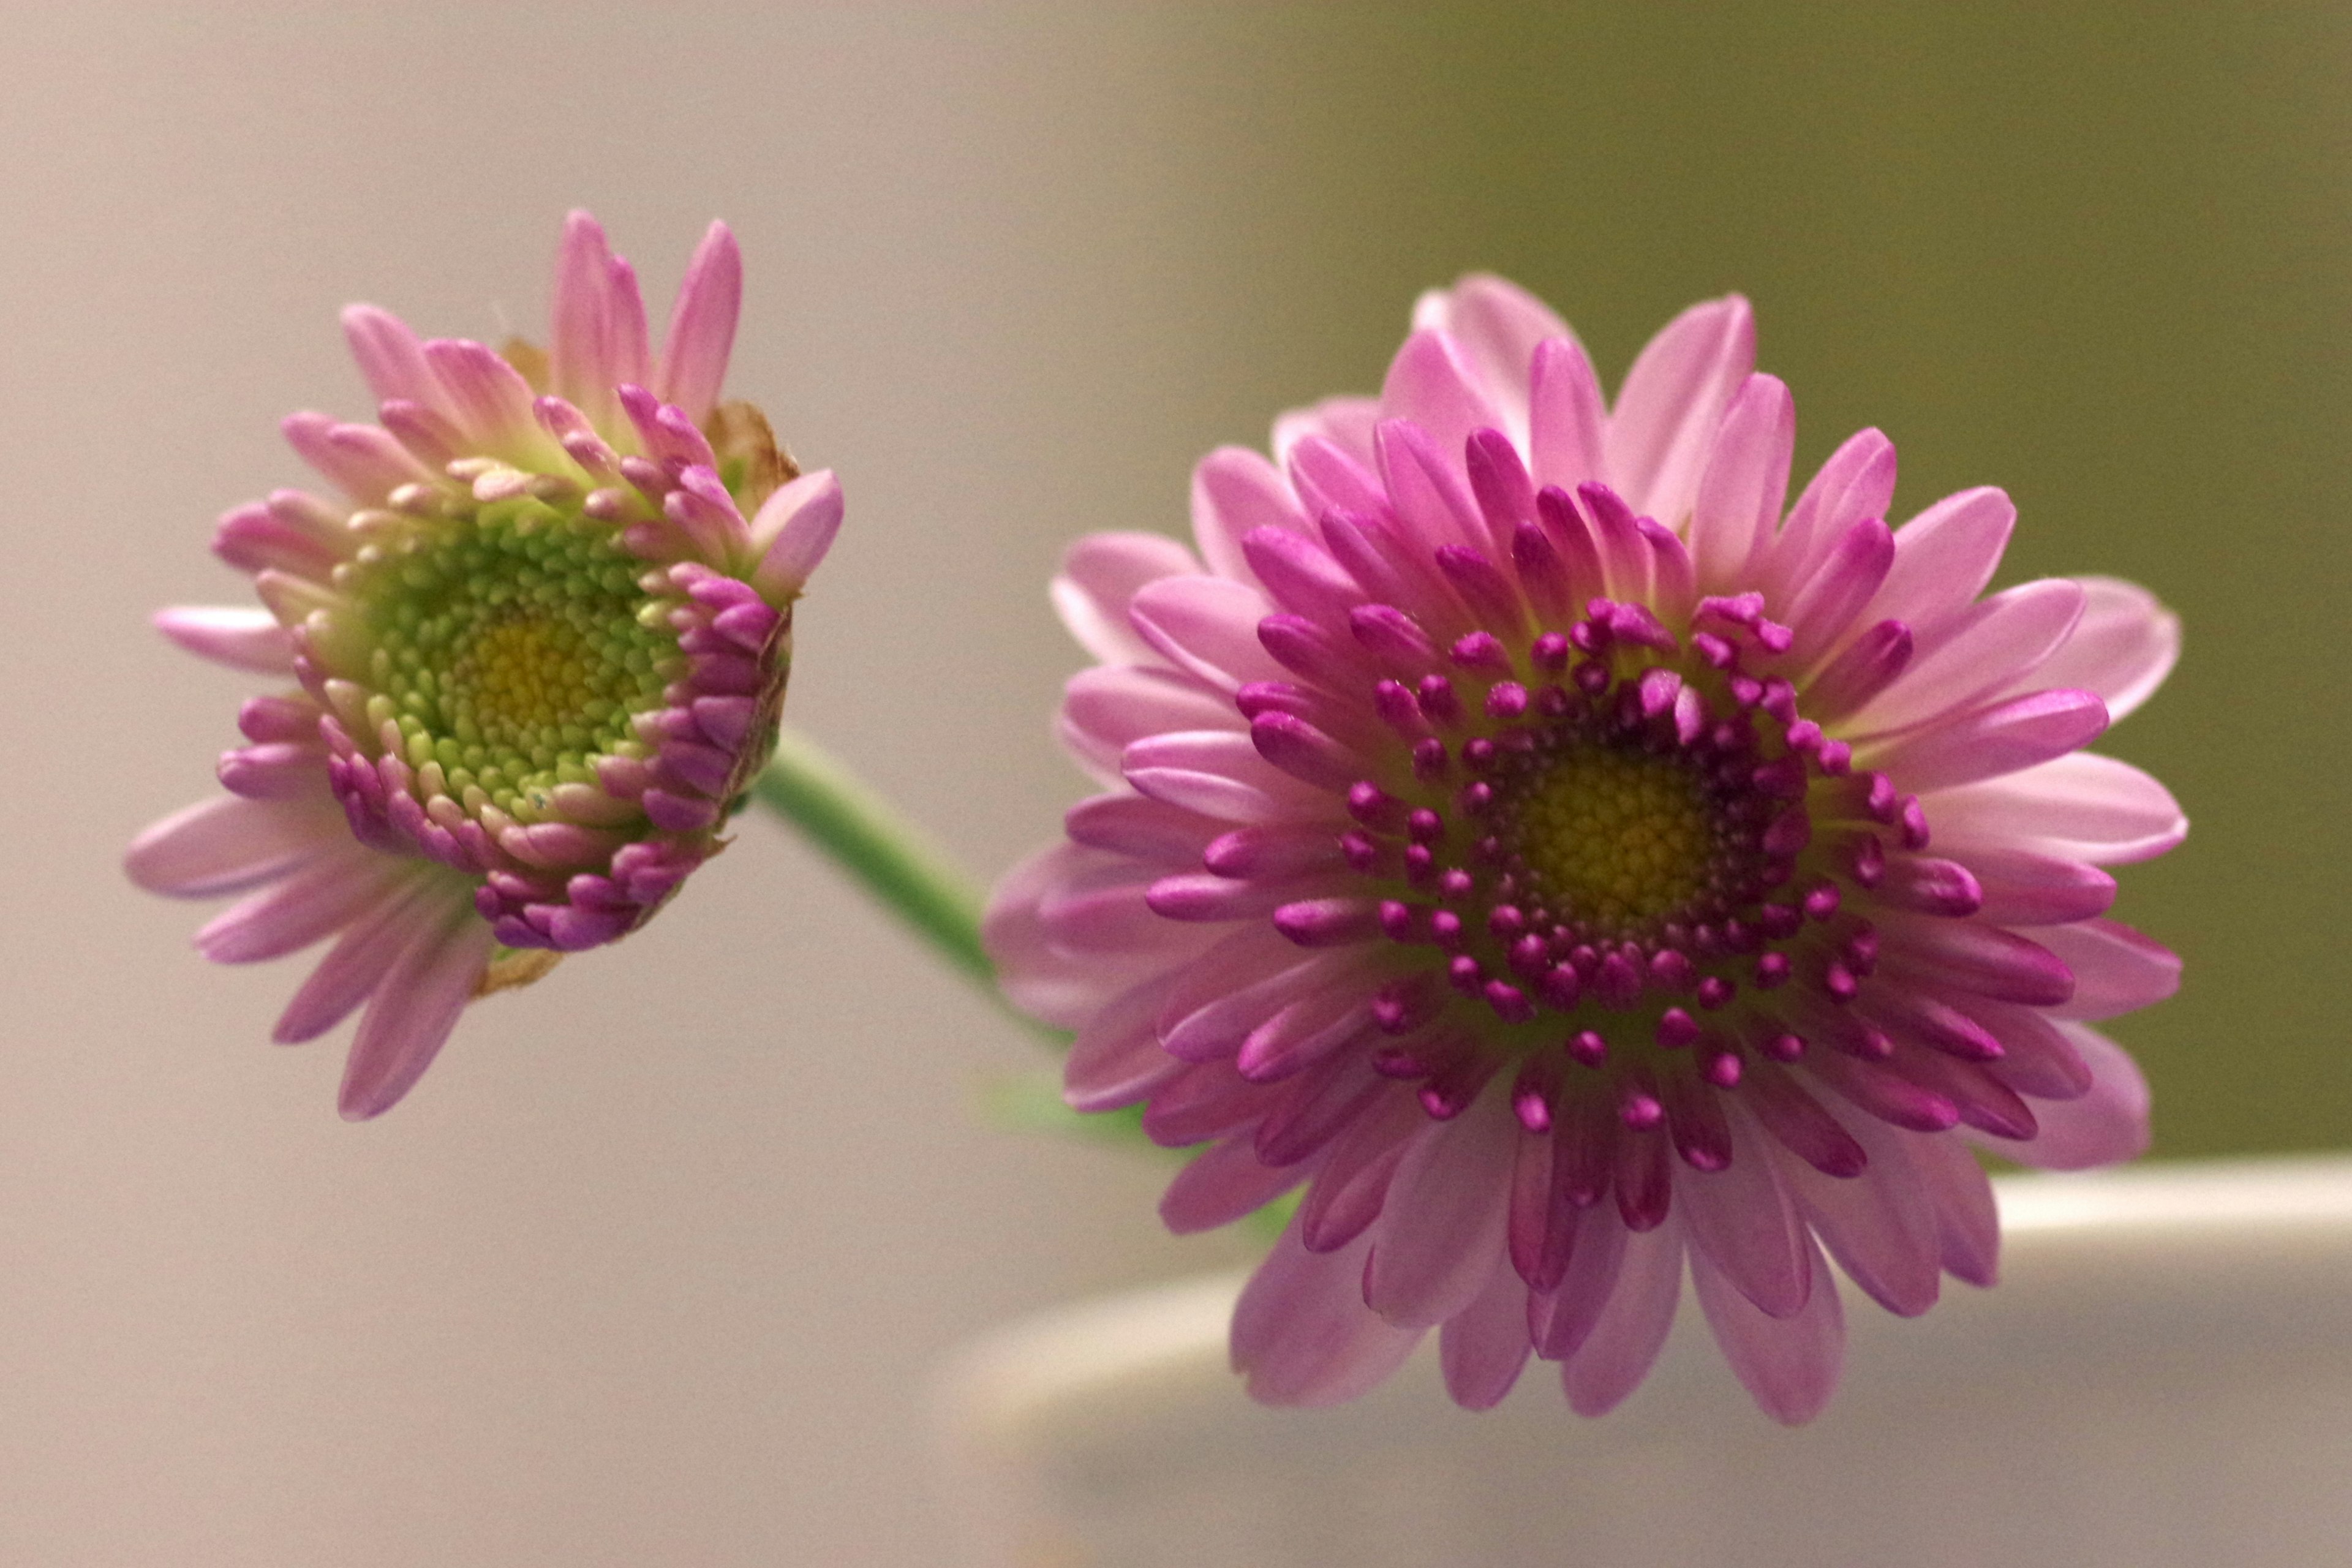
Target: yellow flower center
(529, 671)
(1617, 838)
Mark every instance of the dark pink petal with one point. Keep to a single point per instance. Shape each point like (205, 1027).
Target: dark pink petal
(1741, 1218)
(2117, 969)
(1790, 1364)
(247, 639)
(1222, 1183)
(2080, 807)
(1236, 491)
(1624, 1342)
(1993, 646)
(1560, 1322)
(792, 533)
(229, 844)
(1101, 576)
(2126, 644)
(1744, 486)
(702, 327)
(1565, 417)
(2007, 738)
(1943, 559)
(1432, 383)
(1351, 1189)
(1301, 1334)
(1248, 976)
(1441, 1231)
(1672, 399)
(414, 1007)
(2102, 1127)
(1483, 1347)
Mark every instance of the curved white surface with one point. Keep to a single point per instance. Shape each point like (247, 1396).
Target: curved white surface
(2163, 1378)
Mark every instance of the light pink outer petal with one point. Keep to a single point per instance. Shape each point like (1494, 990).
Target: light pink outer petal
(1880, 1225)
(1301, 1333)
(1741, 1218)
(1099, 578)
(2100, 1128)
(310, 904)
(1567, 416)
(1055, 986)
(1624, 1343)
(1790, 1364)
(2124, 646)
(227, 844)
(1441, 1230)
(1856, 483)
(703, 326)
(581, 367)
(2117, 969)
(1744, 486)
(1498, 325)
(414, 1007)
(390, 358)
(353, 968)
(1431, 382)
(1482, 1348)
(1206, 626)
(2008, 738)
(1346, 422)
(793, 530)
(1943, 559)
(2003, 643)
(2082, 806)
(1116, 1060)
(1672, 399)
(1234, 491)
(246, 638)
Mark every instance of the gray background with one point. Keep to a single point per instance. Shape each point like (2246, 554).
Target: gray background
(655, 1264)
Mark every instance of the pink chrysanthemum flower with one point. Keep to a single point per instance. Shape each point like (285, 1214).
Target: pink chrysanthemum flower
(533, 653)
(1563, 860)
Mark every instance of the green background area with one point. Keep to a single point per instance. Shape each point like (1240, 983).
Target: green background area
(2099, 256)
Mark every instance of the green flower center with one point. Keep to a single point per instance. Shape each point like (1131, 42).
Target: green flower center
(514, 644)
(1619, 839)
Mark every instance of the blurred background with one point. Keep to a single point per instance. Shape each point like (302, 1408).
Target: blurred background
(657, 1263)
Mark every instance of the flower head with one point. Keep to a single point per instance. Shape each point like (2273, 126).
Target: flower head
(532, 652)
(1563, 859)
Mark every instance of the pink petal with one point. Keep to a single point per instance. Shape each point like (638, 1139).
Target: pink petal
(1441, 1231)
(1498, 325)
(2007, 738)
(1790, 1364)
(1344, 424)
(1994, 646)
(1058, 987)
(1301, 1333)
(1432, 383)
(1744, 485)
(414, 1007)
(796, 525)
(1101, 574)
(2124, 647)
(1110, 707)
(581, 365)
(310, 904)
(1824, 605)
(1208, 627)
(1967, 1221)
(1880, 1225)
(1560, 1323)
(2107, 1125)
(1672, 399)
(489, 400)
(390, 357)
(363, 461)
(1116, 1060)
(1222, 1183)
(1428, 490)
(1943, 559)
(1741, 1218)
(2117, 969)
(248, 639)
(369, 945)
(229, 844)
(702, 327)
(1854, 486)
(2083, 807)
(2021, 888)
(1236, 491)
(1565, 417)
(1631, 1329)
(1351, 1189)
(1483, 1347)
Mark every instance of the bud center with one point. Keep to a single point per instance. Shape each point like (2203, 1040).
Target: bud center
(1617, 839)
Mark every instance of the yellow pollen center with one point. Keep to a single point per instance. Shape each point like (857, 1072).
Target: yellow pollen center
(529, 670)
(1617, 838)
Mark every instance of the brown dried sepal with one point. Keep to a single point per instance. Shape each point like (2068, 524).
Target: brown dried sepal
(750, 465)
(513, 966)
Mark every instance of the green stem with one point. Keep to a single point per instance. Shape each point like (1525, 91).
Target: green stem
(884, 852)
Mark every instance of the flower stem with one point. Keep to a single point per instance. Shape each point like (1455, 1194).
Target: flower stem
(884, 852)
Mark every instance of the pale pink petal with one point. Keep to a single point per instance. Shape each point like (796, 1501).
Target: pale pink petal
(248, 639)
(1100, 575)
(2102, 1127)
(2007, 738)
(1222, 1183)
(1441, 1231)
(1968, 1223)
(1207, 626)
(702, 327)
(2117, 969)
(2124, 646)
(360, 460)
(1743, 486)
(1826, 605)
(1234, 491)
(1344, 423)
(1428, 489)
(1498, 325)
(307, 906)
(1996, 645)
(793, 530)
(1483, 1347)
(1631, 1329)
(2085, 807)
(489, 401)
(1058, 987)
(1567, 418)
(1672, 399)
(1854, 486)
(1431, 382)
(390, 357)
(1790, 1364)
(357, 964)
(1109, 708)
(1116, 1060)
(1741, 1218)
(414, 1007)
(1301, 1333)
(1560, 1323)
(1880, 1225)
(229, 844)
(1943, 559)
(581, 366)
